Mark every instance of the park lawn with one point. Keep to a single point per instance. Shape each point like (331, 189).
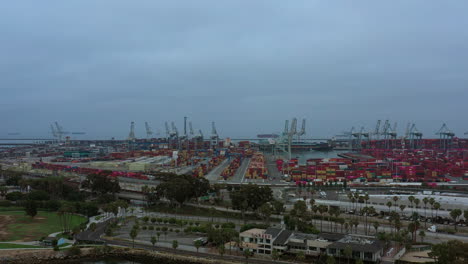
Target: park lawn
(21, 227)
(8, 245)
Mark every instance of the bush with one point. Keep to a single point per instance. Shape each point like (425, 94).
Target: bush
(170, 229)
(228, 225)
(217, 226)
(172, 220)
(74, 251)
(153, 220)
(14, 196)
(5, 203)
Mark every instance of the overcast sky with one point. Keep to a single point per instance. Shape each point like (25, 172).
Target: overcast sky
(95, 66)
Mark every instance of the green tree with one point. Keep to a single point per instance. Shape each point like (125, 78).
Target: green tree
(175, 244)
(278, 207)
(153, 241)
(348, 252)
(422, 234)
(376, 226)
(30, 207)
(197, 243)
(275, 255)
(133, 235)
(455, 214)
(221, 249)
(330, 260)
(300, 256)
(247, 254)
(265, 212)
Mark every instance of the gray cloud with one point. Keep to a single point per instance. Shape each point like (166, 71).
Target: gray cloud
(248, 65)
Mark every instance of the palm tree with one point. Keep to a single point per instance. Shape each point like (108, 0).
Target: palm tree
(432, 202)
(322, 209)
(389, 205)
(395, 200)
(416, 202)
(365, 211)
(437, 207)
(402, 208)
(411, 200)
(455, 213)
(425, 201)
(312, 204)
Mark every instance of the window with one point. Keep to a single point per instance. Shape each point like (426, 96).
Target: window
(268, 241)
(312, 248)
(332, 251)
(356, 254)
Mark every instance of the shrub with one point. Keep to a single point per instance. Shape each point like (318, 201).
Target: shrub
(228, 225)
(74, 251)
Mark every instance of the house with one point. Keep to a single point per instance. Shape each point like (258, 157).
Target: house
(363, 247)
(263, 241)
(320, 243)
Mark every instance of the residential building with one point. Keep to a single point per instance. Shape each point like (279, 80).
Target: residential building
(363, 247)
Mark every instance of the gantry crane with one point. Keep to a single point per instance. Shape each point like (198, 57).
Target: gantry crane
(54, 132)
(376, 133)
(214, 139)
(131, 135)
(415, 137)
(168, 132)
(302, 131)
(446, 137)
(286, 128)
(149, 132)
(292, 132)
(386, 133)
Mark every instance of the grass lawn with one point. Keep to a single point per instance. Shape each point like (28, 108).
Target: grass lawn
(7, 245)
(16, 226)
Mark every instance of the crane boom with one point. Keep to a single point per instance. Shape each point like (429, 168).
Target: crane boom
(190, 128)
(149, 132)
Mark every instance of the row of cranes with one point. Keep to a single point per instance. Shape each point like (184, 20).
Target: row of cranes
(58, 132)
(288, 136)
(174, 137)
(388, 134)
